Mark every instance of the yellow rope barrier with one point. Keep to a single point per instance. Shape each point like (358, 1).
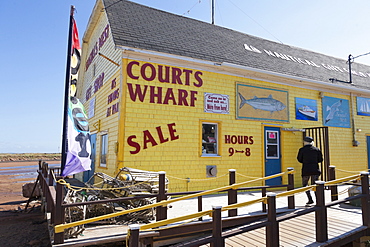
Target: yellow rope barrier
(61, 227)
(174, 220)
(295, 191)
(337, 181)
(196, 179)
(355, 172)
(245, 175)
(77, 188)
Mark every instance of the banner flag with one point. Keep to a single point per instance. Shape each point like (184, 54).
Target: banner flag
(78, 135)
(79, 146)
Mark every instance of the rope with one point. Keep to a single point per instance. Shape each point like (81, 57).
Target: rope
(174, 220)
(197, 179)
(77, 188)
(61, 227)
(354, 172)
(245, 175)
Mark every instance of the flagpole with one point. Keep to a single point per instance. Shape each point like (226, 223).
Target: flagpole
(66, 92)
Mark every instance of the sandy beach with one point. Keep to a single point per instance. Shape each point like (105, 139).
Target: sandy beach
(17, 226)
(12, 177)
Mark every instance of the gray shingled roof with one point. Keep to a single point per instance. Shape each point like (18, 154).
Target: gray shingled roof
(137, 26)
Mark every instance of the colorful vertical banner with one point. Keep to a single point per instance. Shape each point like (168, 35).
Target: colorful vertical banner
(336, 112)
(79, 146)
(78, 134)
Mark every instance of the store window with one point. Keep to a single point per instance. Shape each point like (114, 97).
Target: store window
(104, 150)
(209, 139)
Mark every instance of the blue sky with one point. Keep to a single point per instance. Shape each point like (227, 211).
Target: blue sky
(34, 42)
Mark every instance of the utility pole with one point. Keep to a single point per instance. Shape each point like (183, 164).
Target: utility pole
(213, 11)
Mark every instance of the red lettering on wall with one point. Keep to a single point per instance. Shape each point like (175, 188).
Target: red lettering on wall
(172, 131)
(133, 144)
(154, 95)
(183, 94)
(166, 73)
(163, 74)
(198, 78)
(148, 138)
(139, 92)
(233, 139)
(176, 76)
(151, 71)
(169, 96)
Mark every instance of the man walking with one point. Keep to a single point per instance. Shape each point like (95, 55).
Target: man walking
(310, 157)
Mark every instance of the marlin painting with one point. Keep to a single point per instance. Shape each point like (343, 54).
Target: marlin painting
(265, 104)
(333, 109)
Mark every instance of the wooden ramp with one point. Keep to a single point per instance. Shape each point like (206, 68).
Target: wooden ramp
(344, 225)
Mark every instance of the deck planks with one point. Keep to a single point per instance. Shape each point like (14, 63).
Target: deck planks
(300, 231)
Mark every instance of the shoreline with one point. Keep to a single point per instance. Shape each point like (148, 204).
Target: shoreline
(11, 196)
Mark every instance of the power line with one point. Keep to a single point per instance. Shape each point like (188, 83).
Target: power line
(187, 12)
(255, 22)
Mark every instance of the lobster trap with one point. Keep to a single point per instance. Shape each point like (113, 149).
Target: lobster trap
(128, 182)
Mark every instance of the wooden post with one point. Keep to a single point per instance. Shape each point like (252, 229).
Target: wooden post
(232, 194)
(264, 208)
(321, 213)
(333, 188)
(200, 206)
(217, 240)
(365, 199)
(133, 237)
(59, 214)
(291, 203)
(272, 228)
(161, 211)
(48, 195)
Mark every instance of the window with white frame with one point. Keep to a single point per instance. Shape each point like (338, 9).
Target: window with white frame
(209, 139)
(104, 150)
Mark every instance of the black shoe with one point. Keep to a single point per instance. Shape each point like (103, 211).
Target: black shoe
(309, 202)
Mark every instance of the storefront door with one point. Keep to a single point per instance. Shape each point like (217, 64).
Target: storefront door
(272, 154)
(88, 174)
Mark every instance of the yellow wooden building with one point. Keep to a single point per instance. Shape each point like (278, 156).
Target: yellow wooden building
(168, 93)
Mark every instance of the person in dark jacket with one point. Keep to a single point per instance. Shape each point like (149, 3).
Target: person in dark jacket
(310, 157)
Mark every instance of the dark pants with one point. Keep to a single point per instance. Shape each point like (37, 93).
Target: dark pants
(305, 180)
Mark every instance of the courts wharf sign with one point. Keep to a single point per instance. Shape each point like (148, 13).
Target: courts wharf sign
(311, 63)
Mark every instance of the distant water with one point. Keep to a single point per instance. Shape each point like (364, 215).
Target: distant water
(26, 173)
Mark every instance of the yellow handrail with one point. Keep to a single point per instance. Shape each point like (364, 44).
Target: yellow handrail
(61, 227)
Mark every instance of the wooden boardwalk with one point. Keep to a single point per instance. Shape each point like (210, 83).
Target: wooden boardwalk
(343, 221)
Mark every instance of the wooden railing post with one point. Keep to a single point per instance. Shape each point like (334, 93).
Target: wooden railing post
(200, 206)
(232, 193)
(133, 237)
(161, 211)
(49, 204)
(59, 214)
(217, 240)
(321, 213)
(272, 227)
(264, 208)
(334, 188)
(291, 203)
(365, 199)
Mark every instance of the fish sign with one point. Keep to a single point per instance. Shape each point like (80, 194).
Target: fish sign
(261, 103)
(265, 104)
(336, 112)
